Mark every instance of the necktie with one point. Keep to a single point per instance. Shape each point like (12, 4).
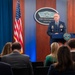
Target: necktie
(57, 23)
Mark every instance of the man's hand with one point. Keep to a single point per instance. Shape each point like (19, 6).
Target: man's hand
(56, 33)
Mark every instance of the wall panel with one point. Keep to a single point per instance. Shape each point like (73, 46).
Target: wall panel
(42, 39)
(71, 16)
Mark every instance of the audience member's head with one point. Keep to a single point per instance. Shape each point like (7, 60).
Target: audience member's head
(54, 48)
(64, 58)
(16, 46)
(71, 43)
(7, 48)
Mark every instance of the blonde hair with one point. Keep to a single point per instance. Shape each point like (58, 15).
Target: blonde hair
(6, 48)
(54, 48)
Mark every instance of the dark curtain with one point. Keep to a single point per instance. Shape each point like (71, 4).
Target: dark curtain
(5, 22)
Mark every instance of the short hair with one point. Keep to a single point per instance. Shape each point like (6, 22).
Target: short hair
(16, 45)
(71, 43)
(56, 14)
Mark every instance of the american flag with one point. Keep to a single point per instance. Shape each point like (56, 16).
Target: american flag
(18, 33)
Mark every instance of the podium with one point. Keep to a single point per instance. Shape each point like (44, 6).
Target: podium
(59, 37)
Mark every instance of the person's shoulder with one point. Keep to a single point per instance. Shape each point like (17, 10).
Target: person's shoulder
(61, 22)
(5, 64)
(51, 23)
(25, 55)
(49, 56)
(4, 56)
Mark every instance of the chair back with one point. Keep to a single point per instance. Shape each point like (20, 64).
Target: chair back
(41, 70)
(69, 73)
(21, 71)
(36, 64)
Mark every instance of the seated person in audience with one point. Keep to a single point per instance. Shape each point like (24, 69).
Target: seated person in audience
(5, 69)
(17, 60)
(52, 57)
(71, 44)
(64, 64)
(7, 48)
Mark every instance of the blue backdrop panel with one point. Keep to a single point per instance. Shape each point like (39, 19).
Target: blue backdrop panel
(30, 29)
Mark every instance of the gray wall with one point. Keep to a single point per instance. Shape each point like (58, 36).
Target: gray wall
(61, 7)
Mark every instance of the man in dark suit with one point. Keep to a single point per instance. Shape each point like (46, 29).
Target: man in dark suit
(56, 27)
(5, 69)
(17, 60)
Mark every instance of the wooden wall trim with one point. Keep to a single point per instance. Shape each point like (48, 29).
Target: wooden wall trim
(71, 16)
(42, 39)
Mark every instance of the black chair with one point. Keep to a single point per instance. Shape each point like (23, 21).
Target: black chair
(68, 73)
(41, 70)
(35, 64)
(21, 71)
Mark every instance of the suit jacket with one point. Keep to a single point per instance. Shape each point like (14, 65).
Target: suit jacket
(53, 28)
(5, 69)
(17, 60)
